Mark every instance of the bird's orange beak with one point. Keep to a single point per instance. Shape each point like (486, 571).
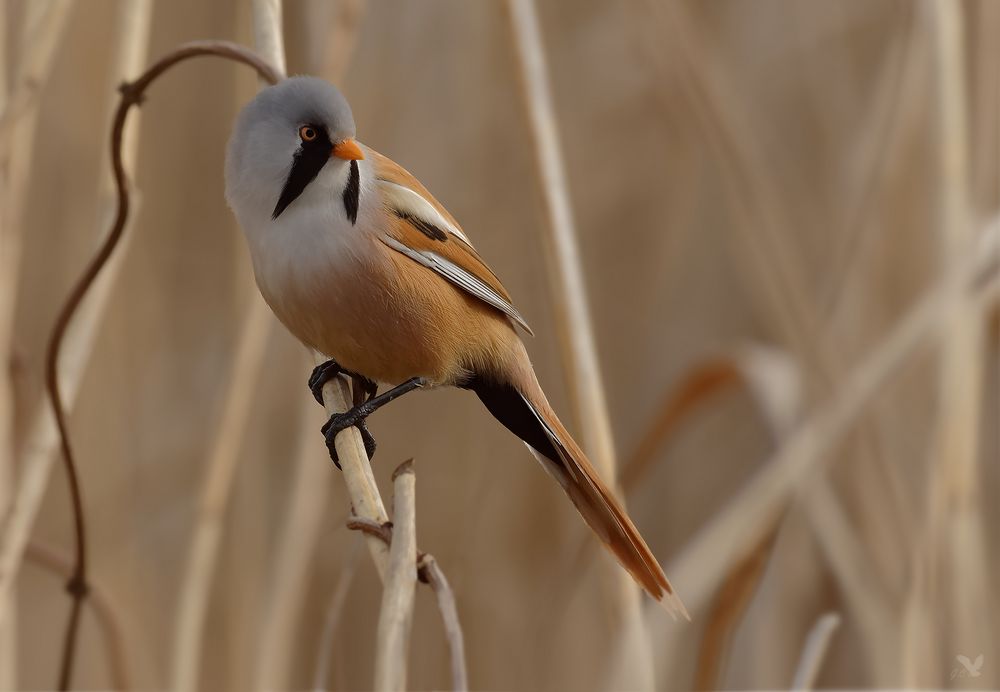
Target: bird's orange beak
(348, 150)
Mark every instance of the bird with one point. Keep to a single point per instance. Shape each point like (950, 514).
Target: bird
(365, 267)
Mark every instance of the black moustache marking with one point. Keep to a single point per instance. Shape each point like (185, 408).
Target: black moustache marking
(352, 193)
(428, 229)
(306, 165)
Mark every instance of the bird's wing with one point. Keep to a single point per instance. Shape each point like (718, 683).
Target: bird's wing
(424, 231)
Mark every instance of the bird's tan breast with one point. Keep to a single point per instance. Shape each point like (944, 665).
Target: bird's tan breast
(380, 314)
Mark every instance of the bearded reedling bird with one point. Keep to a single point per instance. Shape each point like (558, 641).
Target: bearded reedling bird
(363, 265)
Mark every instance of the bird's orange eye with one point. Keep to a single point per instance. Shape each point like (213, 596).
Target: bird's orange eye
(307, 133)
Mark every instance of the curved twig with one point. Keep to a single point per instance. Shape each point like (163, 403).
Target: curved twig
(132, 94)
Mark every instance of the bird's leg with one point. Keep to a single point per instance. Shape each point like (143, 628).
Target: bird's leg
(357, 415)
(326, 371)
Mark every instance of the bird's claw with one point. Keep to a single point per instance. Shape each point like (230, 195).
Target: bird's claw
(341, 422)
(326, 371)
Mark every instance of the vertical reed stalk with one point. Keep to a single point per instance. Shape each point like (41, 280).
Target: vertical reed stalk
(254, 334)
(955, 545)
(568, 292)
(396, 616)
(311, 490)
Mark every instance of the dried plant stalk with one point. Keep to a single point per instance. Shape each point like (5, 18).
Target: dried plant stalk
(431, 573)
(43, 24)
(220, 470)
(229, 434)
(955, 545)
(331, 620)
(579, 352)
(727, 610)
(311, 491)
(358, 476)
(814, 651)
(396, 616)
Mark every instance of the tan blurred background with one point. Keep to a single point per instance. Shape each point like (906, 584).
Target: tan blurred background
(747, 178)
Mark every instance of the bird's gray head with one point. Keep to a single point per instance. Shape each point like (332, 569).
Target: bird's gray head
(284, 138)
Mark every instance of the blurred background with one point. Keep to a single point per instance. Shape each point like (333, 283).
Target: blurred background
(763, 192)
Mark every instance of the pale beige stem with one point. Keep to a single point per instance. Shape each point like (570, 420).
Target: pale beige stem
(396, 616)
(431, 571)
(38, 454)
(258, 325)
(268, 38)
(40, 34)
(300, 531)
(311, 491)
(568, 292)
(814, 651)
(220, 469)
(365, 498)
(954, 542)
(331, 620)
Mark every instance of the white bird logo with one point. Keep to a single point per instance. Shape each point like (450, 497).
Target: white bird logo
(972, 667)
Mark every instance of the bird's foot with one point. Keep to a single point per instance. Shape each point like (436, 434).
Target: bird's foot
(324, 372)
(341, 422)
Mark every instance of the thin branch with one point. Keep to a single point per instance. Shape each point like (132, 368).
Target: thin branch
(396, 615)
(357, 471)
(814, 651)
(110, 624)
(429, 572)
(131, 94)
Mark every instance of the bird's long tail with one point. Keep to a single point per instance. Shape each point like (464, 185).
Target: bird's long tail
(523, 409)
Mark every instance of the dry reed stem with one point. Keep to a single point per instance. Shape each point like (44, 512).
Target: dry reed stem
(222, 461)
(777, 275)
(568, 293)
(331, 619)
(357, 471)
(108, 622)
(698, 386)
(954, 537)
(310, 494)
(817, 644)
(728, 607)
(224, 457)
(747, 517)
(396, 615)
(8, 627)
(562, 252)
(431, 574)
(43, 25)
(774, 382)
(779, 280)
(42, 440)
